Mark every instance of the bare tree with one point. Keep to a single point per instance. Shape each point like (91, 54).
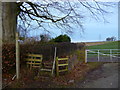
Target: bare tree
(44, 37)
(113, 38)
(48, 13)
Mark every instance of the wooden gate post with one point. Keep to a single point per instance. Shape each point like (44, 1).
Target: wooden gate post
(57, 68)
(111, 54)
(98, 55)
(85, 56)
(17, 57)
(53, 67)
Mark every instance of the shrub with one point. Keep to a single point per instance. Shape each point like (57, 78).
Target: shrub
(62, 38)
(46, 49)
(8, 57)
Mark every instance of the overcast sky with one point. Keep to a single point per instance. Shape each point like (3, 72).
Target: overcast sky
(93, 30)
(99, 31)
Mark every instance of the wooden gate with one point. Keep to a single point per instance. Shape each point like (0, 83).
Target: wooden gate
(34, 60)
(61, 65)
(102, 55)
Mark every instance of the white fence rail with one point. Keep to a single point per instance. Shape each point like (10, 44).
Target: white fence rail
(102, 55)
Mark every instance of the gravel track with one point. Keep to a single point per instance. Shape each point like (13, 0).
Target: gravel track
(104, 77)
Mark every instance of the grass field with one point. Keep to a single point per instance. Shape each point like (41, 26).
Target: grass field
(107, 45)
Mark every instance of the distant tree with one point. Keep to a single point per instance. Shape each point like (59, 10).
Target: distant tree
(111, 39)
(108, 39)
(62, 38)
(45, 37)
(29, 40)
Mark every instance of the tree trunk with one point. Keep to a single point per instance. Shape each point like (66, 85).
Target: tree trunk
(0, 46)
(0, 24)
(9, 21)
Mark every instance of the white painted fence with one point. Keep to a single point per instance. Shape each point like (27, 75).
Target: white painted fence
(102, 55)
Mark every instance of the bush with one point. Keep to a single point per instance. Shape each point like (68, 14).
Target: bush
(62, 38)
(8, 57)
(46, 49)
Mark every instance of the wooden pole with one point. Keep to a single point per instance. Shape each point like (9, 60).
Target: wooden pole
(67, 63)
(98, 55)
(57, 67)
(54, 61)
(85, 56)
(17, 57)
(111, 54)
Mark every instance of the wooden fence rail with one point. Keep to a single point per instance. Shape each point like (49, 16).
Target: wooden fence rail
(34, 60)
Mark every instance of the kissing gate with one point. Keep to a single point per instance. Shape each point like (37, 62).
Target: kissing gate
(102, 55)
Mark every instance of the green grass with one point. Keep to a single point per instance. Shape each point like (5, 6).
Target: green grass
(107, 45)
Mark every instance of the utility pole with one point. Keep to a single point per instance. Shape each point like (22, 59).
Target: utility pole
(99, 37)
(118, 19)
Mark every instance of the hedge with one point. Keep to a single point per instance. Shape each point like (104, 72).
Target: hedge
(47, 50)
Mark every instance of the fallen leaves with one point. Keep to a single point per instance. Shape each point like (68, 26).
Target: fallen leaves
(78, 73)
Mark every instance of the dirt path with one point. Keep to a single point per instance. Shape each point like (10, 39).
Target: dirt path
(94, 43)
(104, 77)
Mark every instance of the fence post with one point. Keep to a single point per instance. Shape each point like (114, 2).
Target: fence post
(110, 54)
(54, 61)
(57, 68)
(85, 56)
(98, 55)
(17, 57)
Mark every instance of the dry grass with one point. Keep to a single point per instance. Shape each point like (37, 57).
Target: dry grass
(94, 43)
(77, 74)
(30, 80)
